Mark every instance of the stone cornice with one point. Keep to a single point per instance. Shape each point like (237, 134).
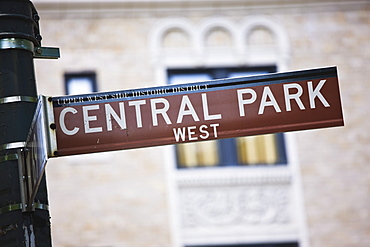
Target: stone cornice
(118, 8)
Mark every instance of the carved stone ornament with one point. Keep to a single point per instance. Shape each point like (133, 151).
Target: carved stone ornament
(235, 201)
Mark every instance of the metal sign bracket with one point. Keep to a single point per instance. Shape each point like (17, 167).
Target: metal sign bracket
(32, 155)
(24, 44)
(25, 181)
(50, 126)
(46, 52)
(26, 184)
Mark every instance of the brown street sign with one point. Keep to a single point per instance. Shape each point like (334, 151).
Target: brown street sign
(201, 111)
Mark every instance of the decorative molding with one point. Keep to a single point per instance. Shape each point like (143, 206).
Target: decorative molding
(221, 178)
(283, 43)
(164, 26)
(230, 206)
(220, 197)
(240, 53)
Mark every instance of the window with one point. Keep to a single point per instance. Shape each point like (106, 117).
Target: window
(80, 83)
(252, 150)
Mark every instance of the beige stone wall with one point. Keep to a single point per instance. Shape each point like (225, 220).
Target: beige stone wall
(122, 198)
(334, 162)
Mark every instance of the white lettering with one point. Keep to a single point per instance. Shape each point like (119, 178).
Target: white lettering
(137, 104)
(206, 111)
(203, 129)
(296, 96)
(243, 102)
(182, 111)
(163, 111)
(180, 133)
(267, 93)
(214, 126)
(62, 123)
(109, 113)
(88, 119)
(191, 133)
(313, 93)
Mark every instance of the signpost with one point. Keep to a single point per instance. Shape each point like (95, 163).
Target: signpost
(20, 43)
(201, 111)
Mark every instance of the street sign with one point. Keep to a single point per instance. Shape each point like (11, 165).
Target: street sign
(36, 150)
(200, 111)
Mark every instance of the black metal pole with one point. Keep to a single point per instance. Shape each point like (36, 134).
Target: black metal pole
(19, 35)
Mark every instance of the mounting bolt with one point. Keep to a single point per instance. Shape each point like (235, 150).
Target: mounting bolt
(53, 126)
(38, 50)
(38, 37)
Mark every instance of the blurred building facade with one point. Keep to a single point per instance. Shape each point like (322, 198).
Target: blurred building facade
(314, 189)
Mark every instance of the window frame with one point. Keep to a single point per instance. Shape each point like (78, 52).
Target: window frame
(228, 145)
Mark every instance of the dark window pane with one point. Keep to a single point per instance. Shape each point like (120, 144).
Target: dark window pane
(80, 83)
